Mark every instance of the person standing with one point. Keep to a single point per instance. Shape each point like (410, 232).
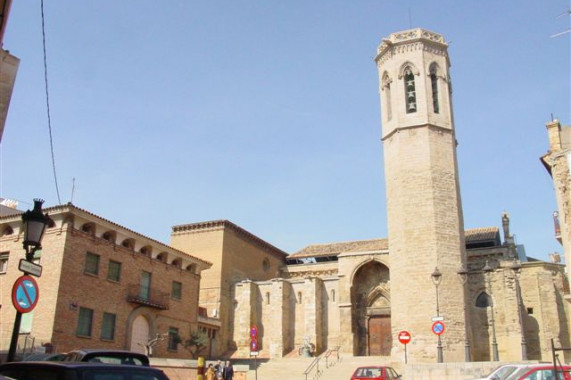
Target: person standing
(210, 374)
(228, 373)
(218, 368)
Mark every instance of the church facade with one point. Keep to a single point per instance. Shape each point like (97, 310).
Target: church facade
(492, 301)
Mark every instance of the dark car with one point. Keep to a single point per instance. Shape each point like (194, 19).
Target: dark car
(78, 371)
(375, 373)
(107, 356)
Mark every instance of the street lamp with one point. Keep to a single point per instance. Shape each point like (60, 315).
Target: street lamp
(516, 268)
(488, 271)
(35, 224)
(436, 279)
(463, 274)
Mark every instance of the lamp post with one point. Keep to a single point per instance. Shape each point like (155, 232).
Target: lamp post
(463, 274)
(488, 272)
(35, 224)
(516, 268)
(436, 279)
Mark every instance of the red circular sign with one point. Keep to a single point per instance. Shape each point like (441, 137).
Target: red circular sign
(254, 345)
(438, 327)
(404, 337)
(25, 294)
(253, 332)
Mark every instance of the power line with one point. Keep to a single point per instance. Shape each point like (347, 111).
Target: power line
(48, 101)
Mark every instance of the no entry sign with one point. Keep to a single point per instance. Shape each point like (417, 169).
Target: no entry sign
(25, 294)
(404, 337)
(438, 327)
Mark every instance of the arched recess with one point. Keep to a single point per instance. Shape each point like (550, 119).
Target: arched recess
(88, 228)
(141, 327)
(177, 263)
(110, 236)
(162, 257)
(370, 297)
(386, 88)
(147, 250)
(128, 243)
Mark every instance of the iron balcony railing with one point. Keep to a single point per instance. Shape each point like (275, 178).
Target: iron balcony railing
(148, 296)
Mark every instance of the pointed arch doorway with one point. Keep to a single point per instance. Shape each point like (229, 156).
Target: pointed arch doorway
(370, 296)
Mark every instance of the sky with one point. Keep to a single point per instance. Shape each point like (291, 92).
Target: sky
(266, 112)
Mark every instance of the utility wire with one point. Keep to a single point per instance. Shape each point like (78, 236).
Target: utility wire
(48, 101)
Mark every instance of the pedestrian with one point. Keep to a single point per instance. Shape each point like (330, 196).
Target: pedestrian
(218, 370)
(228, 371)
(210, 374)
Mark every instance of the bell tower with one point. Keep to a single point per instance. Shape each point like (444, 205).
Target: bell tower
(425, 221)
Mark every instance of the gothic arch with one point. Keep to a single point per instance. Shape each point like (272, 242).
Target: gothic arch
(362, 264)
(408, 65)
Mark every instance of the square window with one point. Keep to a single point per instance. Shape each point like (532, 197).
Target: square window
(108, 326)
(174, 339)
(91, 263)
(114, 271)
(176, 291)
(4, 262)
(84, 322)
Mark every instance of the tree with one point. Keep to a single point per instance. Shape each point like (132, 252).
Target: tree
(197, 342)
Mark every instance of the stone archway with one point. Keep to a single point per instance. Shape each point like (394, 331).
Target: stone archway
(370, 297)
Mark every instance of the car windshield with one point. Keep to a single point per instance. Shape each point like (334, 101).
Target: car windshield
(502, 372)
(368, 372)
(115, 359)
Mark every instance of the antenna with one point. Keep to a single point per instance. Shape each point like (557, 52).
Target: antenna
(72, 189)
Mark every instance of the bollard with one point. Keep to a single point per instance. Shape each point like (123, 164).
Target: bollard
(200, 368)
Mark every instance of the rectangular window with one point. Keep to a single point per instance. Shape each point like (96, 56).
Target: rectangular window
(85, 321)
(108, 326)
(145, 288)
(114, 271)
(4, 262)
(176, 292)
(91, 263)
(173, 339)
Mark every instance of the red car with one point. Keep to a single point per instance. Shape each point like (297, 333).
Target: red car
(375, 373)
(541, 372)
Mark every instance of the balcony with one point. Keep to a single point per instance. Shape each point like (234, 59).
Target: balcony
(148, 297)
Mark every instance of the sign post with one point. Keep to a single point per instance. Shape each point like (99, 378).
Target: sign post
(254, 347)
(25, 295)
(405, 338)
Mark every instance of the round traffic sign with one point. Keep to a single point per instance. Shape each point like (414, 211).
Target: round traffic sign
(25, 294)
(404, 337)
(253, 332)
(438, 327)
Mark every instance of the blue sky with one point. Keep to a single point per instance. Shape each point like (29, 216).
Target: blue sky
(266, 112)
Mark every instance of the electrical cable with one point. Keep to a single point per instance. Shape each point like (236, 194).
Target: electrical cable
(48, 101)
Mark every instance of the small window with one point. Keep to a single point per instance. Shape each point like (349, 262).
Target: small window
(267, 298)
(299, 298)
(4, 261)
(483, 300)
(85, 321)
(434, 85)
(114, 271)
(332, 295)
(530, 310)
(174, 339)
(176, 291)
(108, 326)
(92, 263)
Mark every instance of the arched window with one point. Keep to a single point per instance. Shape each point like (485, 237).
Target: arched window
(484, 300)
(434, 86)
(386, 87)
(410, 90)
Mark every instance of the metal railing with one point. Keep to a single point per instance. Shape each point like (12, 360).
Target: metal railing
(331, 356)
(148, 297)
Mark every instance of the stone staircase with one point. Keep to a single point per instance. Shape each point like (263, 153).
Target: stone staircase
(293, 368)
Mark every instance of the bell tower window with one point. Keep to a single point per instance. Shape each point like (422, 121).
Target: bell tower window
(387, 89)
(410, 91)
(434, 86)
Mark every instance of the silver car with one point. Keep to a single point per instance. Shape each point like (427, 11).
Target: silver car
(502, 372)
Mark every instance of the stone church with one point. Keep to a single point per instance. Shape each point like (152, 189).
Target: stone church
(491, 300)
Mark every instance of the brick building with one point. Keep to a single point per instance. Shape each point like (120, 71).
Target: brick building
(102, 286)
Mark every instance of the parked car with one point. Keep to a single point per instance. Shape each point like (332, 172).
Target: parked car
(541, 372)
(375, 373)
(502, 372)
(107, 356)
(47, 357)
(78, 371)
